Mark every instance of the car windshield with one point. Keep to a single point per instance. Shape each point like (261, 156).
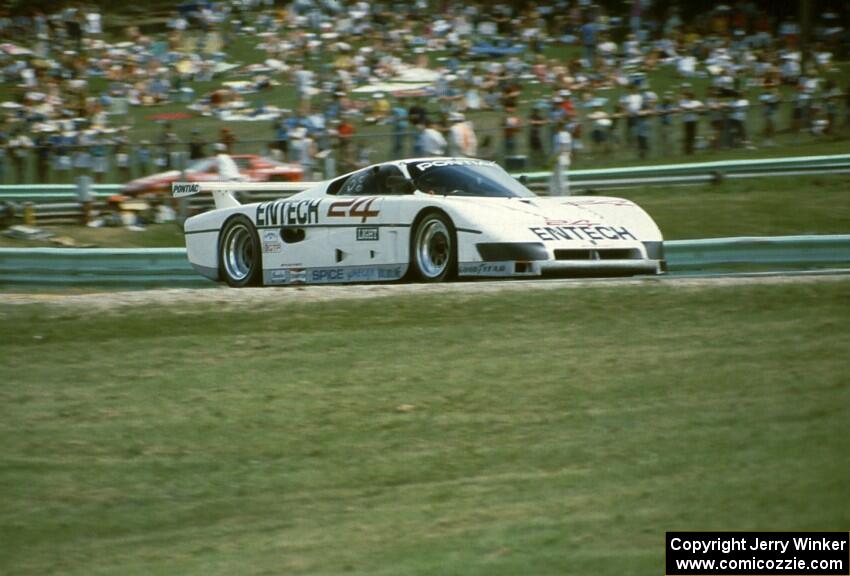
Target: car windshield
(461, 177)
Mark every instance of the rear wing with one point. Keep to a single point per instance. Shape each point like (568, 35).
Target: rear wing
(223, 191)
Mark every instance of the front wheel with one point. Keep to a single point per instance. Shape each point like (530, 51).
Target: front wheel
(239, 255)
(433, 250)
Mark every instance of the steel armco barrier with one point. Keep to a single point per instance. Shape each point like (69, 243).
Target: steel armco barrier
(658, 175)
(151, 267)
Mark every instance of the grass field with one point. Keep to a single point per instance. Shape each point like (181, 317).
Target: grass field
(754, 207)
(540, 432)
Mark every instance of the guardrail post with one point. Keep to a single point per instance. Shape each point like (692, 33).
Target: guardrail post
(29, 214)
(85, 196)
(182, 210)
(85, 214)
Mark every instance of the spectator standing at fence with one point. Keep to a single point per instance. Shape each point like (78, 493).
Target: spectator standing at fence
(419, 141)
(227, 138)
(303, 150)
(632, 103)
(718, 118)
(643, 129)
(738, 107)
(433, 142)
(143, 157)
(831, 96)
(462, 139)
(42, 157)
(3, 146)
(666, 109)
(19, 149)
(511, 127)
(800, 111)
(616, 120)
(196, 145)
(400, 126)
(691, 108)
(536, 122)
(167, 140)
(600, 128)
(82, 153)
(62, 150)
(770, 107)
(281, 135)
(417, 114)
(345, 134)
(122, 158)
(100, 162)
(562, 147)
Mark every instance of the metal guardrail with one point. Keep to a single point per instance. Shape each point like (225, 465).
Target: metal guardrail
(150, 267)
(767, 165)
(700, 172)
(131, 267)
(41, 193)
(602, 177)
(718, 253)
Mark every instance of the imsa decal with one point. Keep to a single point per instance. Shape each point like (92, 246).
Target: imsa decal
(367, 234)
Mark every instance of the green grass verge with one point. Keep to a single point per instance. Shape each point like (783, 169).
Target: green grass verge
(753, 207)
(556, 432)
(154, 236)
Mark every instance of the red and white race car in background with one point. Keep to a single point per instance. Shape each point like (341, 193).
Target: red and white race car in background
(252, 168)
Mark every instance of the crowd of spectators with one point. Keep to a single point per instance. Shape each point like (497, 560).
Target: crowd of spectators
(537, 84)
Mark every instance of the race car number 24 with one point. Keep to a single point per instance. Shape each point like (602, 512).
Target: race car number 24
(355, 208)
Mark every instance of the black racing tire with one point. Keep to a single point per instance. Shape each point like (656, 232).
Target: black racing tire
(433, 248)
(240, 259)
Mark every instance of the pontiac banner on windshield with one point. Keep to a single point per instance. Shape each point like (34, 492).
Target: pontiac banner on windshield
(757, 553)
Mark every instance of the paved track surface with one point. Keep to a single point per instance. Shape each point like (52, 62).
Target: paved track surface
(233, 298)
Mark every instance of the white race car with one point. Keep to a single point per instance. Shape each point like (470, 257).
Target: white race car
(429, 219)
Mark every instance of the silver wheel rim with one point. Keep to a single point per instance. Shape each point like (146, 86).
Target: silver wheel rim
(433, 248)
(238, 252)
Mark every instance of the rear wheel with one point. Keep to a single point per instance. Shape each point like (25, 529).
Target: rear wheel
(433, 249)
(239, 255)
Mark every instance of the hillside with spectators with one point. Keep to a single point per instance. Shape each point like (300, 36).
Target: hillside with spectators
(331, 85)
